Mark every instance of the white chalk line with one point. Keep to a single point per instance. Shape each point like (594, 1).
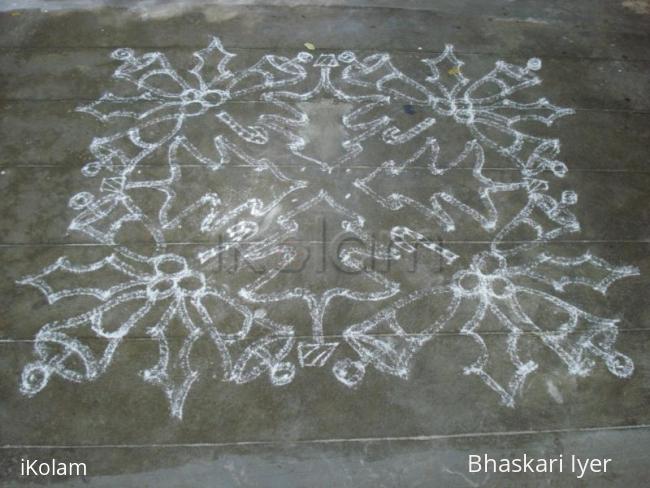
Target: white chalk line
(136, 338)
(206, 243)
(76, 100)
(352, 440)
(18, 166)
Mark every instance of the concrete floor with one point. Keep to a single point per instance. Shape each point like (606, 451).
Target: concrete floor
(281, 259)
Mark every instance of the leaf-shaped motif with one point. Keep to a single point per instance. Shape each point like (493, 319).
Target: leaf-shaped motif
(586, 270)
(174, 372)
(139, 107)
(211, 66)
(64, 271)
(446, 73)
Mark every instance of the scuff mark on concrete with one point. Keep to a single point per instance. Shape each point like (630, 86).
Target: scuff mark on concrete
(554, 392)
(527, 20)
(641, 7)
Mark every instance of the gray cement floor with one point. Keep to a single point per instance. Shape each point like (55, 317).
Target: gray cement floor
(292, 244)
